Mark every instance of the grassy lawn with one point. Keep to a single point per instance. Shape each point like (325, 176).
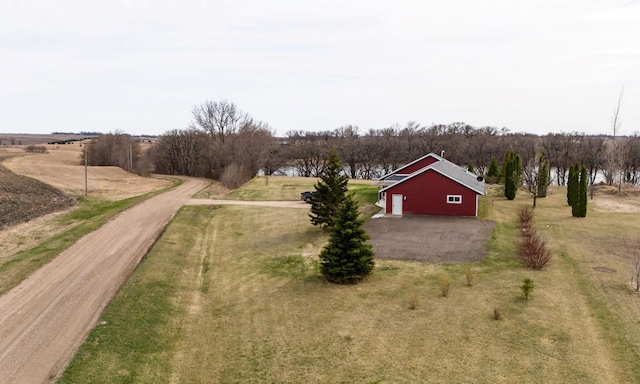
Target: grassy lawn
(280, 188)
(90, 215)
(233, 294)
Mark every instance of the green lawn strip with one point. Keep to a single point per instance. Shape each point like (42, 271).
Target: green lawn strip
(272, 188)
(90, 215)
(282, 188)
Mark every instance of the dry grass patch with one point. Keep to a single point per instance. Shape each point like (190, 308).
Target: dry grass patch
(62, 169)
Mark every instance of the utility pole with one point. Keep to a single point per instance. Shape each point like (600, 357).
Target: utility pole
(86, 184)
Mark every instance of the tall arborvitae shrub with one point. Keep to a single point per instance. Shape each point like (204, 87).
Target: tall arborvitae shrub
(572, 183)
(330, 192)
(579, 207)
(512, 170)
(347, 258)
(543, 177)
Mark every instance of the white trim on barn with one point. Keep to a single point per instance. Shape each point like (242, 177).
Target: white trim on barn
(438, 158)
(454, 199)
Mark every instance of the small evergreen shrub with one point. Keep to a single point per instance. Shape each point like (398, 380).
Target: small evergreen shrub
(527, 287)
(493, 170)
(496, 314)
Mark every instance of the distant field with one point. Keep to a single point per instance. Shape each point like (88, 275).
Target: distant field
(62, 168)
(18, 139)
(233, 294)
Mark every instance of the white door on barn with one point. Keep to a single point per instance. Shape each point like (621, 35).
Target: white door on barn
(396, 205)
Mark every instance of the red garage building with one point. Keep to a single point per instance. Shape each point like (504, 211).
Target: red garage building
(430, 185)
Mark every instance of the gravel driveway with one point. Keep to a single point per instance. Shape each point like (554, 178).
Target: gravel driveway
(432, 239)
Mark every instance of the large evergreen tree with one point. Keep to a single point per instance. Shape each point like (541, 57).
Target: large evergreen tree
(330, 192)
(347, 258)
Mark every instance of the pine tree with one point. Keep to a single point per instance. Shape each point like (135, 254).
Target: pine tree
(347, 258)
(493, 168)
(330, 192)
(542, 182)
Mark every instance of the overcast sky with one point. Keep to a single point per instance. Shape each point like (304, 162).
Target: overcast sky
(533, 66)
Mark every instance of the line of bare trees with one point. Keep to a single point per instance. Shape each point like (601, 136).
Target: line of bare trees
(373, 153)
(238, 149)
(223, 142)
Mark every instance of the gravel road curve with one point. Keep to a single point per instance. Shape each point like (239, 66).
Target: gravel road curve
(45, 319)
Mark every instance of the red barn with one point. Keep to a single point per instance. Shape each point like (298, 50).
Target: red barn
(431, 185)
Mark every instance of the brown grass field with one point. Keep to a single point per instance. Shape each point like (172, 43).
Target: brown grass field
(233, 294)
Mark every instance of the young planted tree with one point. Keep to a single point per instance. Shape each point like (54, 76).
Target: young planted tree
(347, 258)
(331, 192)
(492, 172)
(535, 175)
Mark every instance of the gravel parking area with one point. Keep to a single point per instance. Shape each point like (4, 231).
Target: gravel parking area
(432, 239)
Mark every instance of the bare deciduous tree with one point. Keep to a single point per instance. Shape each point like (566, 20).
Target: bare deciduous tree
(218, 118)
(613, 170)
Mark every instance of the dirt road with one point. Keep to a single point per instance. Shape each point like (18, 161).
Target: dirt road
(45, 319)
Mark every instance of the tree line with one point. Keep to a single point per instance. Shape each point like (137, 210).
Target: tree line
(225, 143)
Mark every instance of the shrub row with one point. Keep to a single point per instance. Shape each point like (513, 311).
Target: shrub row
(532, 250)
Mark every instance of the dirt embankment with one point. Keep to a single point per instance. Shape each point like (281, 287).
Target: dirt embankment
(23, 199)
